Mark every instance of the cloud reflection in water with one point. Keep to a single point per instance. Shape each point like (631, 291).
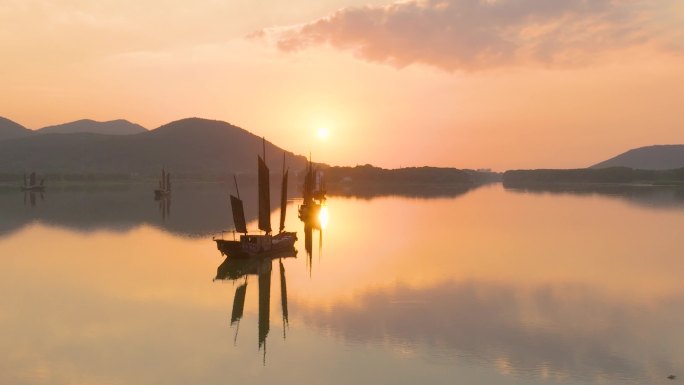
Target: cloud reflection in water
(558, 331)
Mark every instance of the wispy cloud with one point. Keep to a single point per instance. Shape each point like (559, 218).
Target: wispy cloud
(475, 34)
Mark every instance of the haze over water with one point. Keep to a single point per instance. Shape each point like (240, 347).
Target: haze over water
(487, 286)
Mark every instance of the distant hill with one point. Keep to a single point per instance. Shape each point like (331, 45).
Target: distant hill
(189, 147)
(10, 129)
(112, 127)
(661, 157)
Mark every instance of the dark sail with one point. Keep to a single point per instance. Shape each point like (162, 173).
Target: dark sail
(308, 185)
(283, 202)
(264, 198)
(168, 181)
(238, 214)
(32, 179)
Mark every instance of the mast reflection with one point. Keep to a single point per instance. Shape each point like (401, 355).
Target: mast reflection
(318, 222)
(30, 198)
(239, 269)
(164, 206)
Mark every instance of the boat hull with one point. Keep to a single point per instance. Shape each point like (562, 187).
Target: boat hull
(280, 244)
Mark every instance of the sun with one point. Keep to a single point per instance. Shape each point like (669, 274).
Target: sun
(323, 133)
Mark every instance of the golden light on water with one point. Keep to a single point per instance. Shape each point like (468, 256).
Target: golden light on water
(323, 217)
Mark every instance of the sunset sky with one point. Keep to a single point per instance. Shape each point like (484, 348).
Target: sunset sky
(462, 83)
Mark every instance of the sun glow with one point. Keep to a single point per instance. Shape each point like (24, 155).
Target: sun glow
(323, 133)
(323, 217)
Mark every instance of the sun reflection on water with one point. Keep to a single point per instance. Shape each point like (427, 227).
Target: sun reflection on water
(323, 217)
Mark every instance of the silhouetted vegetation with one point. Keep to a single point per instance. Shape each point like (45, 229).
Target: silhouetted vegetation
(427, 182)
(587, 175)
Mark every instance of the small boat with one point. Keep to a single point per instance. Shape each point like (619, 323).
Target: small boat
(164, 189)
(31, 185)
(260, 245)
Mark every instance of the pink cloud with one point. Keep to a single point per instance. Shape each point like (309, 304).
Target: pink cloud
(476, 34)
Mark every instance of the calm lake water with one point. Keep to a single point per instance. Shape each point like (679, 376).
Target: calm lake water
(103, 285)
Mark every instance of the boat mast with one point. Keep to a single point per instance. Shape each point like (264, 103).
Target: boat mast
(236, 186)
(264, 194)
(283, 197)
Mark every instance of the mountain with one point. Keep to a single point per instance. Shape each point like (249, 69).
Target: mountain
(10, 129)
(189, 147)
(112, 127)
(661, 157)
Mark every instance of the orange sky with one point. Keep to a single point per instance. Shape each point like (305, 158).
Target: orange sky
(465, 83)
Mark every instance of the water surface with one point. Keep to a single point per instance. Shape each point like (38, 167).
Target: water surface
(475, 286)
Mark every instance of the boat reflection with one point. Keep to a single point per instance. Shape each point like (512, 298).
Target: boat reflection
(658, 197)
(239, 269)
(313, 194)
(319, 223)
(31, 184)
(30, 198)
(164, 206)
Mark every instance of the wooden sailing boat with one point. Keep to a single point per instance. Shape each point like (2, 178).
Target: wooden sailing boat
(31, 185)
(164, 189)
(313, 194)
(264, 245)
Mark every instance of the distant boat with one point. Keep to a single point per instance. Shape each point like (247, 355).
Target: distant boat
(260, 245)
(164, 189)
(31, 185)
(313, 194)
